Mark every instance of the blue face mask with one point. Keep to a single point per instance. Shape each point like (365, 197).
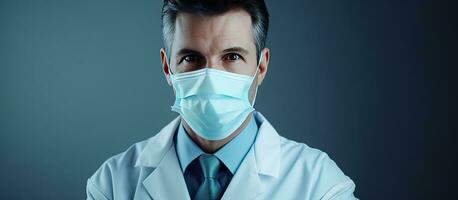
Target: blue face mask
(214, 103)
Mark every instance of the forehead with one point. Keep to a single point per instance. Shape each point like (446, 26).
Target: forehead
(213, 33)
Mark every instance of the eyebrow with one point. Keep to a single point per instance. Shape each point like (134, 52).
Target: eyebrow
(187, 51)
(236, 49)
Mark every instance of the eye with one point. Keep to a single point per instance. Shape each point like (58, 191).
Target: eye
(190, 59)
(232, 57)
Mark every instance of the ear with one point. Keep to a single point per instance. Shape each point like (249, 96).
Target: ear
(263, 65)
(165, 66)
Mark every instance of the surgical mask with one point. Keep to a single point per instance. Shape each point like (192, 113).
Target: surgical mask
(214, 103)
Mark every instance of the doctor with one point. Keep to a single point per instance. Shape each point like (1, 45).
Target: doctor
(219, 147)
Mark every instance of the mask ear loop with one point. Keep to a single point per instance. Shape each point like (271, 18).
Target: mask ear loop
(255, 74)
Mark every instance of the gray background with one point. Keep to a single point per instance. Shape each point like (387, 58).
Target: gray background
(368, 82)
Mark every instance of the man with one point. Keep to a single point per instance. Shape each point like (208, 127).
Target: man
(219, 147)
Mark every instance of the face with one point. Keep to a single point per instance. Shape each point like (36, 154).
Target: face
(222, 42)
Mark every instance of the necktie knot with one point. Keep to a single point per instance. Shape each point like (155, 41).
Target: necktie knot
(210, 165)
(210, 187)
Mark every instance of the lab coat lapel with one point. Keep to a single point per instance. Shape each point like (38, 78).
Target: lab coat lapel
(166, 181)
(263, 159)
(246, 183)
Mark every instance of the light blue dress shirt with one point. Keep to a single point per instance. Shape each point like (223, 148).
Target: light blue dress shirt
(231, 155)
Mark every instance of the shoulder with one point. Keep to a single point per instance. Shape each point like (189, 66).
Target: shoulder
(121, 174)
(302, 154)
(126, 159)
(318, 170)
(117, 170)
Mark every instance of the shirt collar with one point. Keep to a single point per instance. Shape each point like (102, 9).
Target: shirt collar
(231, 154)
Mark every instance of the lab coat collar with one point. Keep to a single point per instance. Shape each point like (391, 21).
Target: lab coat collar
(167, 181)
(267, 147)
(262, 159)
(158, 145)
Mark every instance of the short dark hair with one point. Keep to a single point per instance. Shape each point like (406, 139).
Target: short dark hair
(256, 8)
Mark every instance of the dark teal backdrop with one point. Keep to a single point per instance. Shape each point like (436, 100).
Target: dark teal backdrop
(368, 82)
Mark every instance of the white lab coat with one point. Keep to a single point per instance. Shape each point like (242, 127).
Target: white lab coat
(274, 168)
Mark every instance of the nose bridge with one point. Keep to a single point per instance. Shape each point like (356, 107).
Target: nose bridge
(213, 62)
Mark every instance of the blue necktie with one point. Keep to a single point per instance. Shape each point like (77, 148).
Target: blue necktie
(210, 187)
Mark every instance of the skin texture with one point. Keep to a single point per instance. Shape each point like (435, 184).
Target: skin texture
(222, 42)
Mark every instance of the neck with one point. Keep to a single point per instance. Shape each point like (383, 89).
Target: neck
(211, 146)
